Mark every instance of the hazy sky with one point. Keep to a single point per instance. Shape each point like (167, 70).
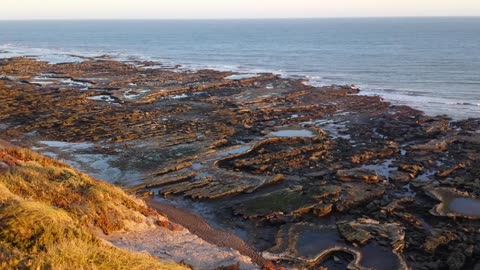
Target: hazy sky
(187, 9)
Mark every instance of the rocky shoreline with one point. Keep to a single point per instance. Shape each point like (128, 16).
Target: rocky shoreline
(311, 177)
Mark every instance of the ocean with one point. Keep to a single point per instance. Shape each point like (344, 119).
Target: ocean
(432, 64)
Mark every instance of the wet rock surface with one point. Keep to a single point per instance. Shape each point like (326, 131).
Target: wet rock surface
(312, 177)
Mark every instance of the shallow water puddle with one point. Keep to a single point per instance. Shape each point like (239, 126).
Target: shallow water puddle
(377, 257)
(43, 81)
(310, 244)
(133, 93)
(179, 96)
(47, 79)
(105, 98)
(454, 203)
(293, 133)
(236, 151)
(383, 169)
(241, 76)
(465, 206)
(427, 176)
(153, 67)
(335, 130)
(65, 145)
(197, 166)
(80, 156)
(317, 244)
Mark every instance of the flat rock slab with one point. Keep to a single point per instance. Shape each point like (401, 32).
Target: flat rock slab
(358, 174)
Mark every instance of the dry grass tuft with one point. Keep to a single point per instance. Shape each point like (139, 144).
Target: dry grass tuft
(45, 180)
(47, 210)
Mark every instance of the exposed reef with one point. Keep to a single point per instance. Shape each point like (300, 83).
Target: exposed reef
(311, 176)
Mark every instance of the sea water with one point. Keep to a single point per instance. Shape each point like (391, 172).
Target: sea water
(432, 64)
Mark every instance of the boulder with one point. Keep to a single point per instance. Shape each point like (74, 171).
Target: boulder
(358, 174)
(431, 146)
(400, 177)
(322, 210)
(412, 169)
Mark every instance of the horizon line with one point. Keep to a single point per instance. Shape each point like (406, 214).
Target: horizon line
(242, 18)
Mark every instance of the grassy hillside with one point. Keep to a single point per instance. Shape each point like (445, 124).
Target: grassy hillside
(48, 212)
